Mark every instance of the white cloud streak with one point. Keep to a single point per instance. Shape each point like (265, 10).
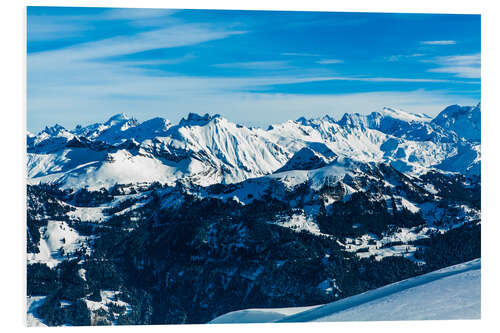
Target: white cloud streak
(55, 27)
(156, 62)
(399, 57)
(465, 66)
(298, 54)
(329, 61)
(135, 13)
(438, 42)
(255, 65)
(45, 28)
(141, 17)
(175, 36)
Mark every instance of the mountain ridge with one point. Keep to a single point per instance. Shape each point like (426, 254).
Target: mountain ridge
(210, 149)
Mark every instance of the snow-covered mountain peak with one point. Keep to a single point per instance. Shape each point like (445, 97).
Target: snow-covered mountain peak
(155, 124)
(117, 119)
(404, 116)
(53, 130)
(465, 121)
(109, 130)
(56, 134)
(353, 120)
(194, 119)
(313, 156)
(306, 122)
(453, 112)
(328, 118)
(302, 120)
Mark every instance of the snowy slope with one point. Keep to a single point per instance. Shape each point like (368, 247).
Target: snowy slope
(258, 315)
(449, 293)
(57, 240)
(463, 120)
(313, 156)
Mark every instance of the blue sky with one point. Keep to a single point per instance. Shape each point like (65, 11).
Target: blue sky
(253, 67)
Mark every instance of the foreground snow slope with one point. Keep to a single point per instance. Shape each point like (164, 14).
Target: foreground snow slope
(450, 293)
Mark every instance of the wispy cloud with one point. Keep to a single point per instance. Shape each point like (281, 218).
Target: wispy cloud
(174, 36)
(80, 71)
(461, 60)
(255, 65)
(465, 66)
(54, 27)
(438, 42)
(138, 16)
(136, 13)
(460, 71)
(95, 87)
(399, 57)
(384, 79)
(329, 61)
(156, 62)
(300, 54)
(48, 28)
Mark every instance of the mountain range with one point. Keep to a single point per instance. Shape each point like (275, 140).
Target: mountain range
(151, 222)
(210, 149)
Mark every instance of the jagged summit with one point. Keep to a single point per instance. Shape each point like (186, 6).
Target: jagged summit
(302, 120)
(53, 130)
(307, 121)
(353, 120)
(369, 120)
(194, 119)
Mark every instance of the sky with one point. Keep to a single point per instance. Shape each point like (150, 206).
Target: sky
(253, 67)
